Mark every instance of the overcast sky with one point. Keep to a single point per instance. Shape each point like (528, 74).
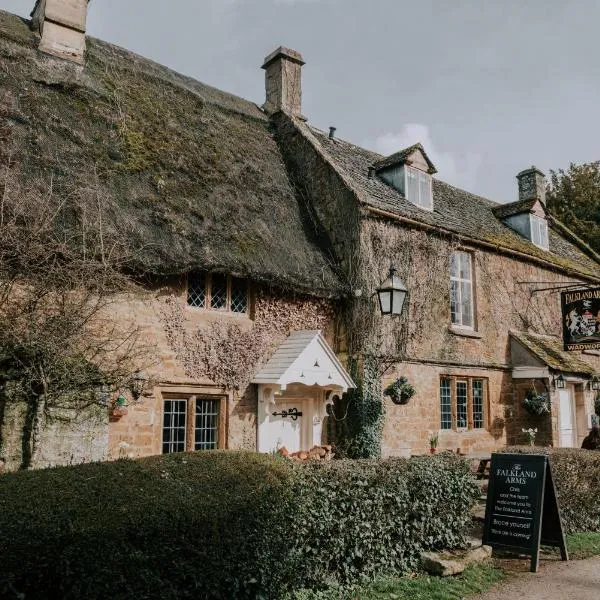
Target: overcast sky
(490, 87)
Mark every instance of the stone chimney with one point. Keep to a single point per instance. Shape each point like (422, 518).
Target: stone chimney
(532, 185)
(61, 24)
(283, 82)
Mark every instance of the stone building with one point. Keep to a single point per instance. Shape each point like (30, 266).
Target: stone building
(262, 241)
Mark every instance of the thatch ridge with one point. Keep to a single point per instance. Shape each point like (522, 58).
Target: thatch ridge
(191, 176)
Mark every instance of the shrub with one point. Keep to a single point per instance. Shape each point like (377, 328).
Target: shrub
(576, 475)
(223, 524)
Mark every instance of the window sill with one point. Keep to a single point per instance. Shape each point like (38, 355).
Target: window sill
(464, 332)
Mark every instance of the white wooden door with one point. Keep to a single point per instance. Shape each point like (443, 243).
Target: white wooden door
(566, 419)
(288, 431)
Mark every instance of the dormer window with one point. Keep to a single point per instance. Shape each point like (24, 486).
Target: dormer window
(527, 216)
(409, 171)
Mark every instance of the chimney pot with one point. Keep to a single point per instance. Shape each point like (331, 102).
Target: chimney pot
(532, 185)
(61, 25)
(283, 82)
(332, 133)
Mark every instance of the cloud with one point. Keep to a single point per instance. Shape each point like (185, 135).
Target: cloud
(459, 169)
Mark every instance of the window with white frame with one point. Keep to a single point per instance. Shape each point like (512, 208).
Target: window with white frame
(214, 291)
(191, 423)
(463, 402)
(539, 231)
(413, 184)
(461, 290)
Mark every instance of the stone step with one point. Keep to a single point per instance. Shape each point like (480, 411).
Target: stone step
(453, 562)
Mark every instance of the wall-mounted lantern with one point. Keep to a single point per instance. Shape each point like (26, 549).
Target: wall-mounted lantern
(139, 382)
(596, 383)
(560, 382)
(392, 293)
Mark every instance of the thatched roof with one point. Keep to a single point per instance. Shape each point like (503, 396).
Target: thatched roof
(193, 174)
(455, 211)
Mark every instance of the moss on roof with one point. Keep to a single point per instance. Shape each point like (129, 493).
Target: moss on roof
(455, 210)
(193, 174)
(549, 350)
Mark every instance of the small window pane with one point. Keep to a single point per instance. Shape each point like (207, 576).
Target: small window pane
(174, 419)
(465, 265)
(455, 264)
(461, 404)
(445, 404)
(425, 190)
(239, 295)
(477, 403)
(218, 292)
(466, 308)
(197, 290)
(455, 302)
(412, 186)
(207, 422)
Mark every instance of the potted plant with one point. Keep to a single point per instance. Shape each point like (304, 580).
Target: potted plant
(530, 434)
(119, 407)
(433, 443)
(400, 391)
(536, 404)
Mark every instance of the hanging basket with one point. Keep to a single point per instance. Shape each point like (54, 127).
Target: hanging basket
(536, 404)
(400, 391)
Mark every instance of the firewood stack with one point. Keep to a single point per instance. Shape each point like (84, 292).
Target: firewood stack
(315, 453)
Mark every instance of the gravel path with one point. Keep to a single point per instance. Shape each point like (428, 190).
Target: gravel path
(574, 580)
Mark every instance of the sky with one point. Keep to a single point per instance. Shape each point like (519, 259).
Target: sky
(489, 87)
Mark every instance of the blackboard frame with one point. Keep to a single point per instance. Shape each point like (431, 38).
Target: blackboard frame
(547, 525)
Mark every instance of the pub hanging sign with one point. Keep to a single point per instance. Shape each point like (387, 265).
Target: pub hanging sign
(581, 319)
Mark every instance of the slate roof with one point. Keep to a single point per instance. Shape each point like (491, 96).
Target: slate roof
(455, 211)
(514, 208)
(549, 350)
(193, 175)
(400, 157)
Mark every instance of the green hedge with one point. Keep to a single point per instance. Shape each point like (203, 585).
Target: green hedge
(223, 524)
(576, 475)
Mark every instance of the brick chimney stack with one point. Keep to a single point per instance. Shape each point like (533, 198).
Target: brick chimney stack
(532, 185)
(61, 25)
(283, 82)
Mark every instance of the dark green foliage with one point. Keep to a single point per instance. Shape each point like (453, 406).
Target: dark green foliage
(222, 524)
(364, 410)
(573, 196)
(576, 474)
(400, 391)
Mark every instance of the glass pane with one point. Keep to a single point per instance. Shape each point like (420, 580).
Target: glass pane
(412, 185)
(477, 403)
(207, 423)
(197, 290)
(385, 299)
(445, 404)
(218, 292)
(455, 302)
(461, 404)
(239, 295)
(465, 265)
(544, 234)
(454, 264)
(466, 304)
(174, 420)
(425, 190)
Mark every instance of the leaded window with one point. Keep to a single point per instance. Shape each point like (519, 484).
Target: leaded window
(216, 291)
(463, 402)
(461, 290)
(191, 423)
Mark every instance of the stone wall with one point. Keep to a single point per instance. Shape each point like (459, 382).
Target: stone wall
(422, 345)
(203, 352)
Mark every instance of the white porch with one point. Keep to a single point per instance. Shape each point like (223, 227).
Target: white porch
(294, 388)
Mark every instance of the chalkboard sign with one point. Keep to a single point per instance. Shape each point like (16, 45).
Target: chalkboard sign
(522, 508)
